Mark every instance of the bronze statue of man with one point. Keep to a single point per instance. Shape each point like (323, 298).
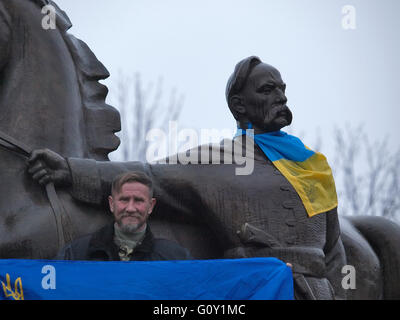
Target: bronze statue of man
(215, 212)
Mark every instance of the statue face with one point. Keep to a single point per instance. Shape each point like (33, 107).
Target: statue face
(264, 99)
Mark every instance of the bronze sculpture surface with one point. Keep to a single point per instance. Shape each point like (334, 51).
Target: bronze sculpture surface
(49, 97)
(202, 206)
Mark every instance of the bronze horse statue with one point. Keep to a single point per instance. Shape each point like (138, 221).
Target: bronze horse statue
(50, 97)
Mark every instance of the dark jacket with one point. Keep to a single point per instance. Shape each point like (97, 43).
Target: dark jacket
(100, 246)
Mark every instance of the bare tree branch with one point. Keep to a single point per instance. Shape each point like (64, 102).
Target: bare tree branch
(368, 174)
(142, 110)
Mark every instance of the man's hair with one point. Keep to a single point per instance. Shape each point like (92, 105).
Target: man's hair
(238, 79)
(132, 176)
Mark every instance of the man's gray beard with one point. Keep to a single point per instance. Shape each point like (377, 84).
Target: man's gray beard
(130, 228)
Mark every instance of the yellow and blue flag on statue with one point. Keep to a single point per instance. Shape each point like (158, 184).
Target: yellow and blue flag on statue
(307, 171)
(217, 279)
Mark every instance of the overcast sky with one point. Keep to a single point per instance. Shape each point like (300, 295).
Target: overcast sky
(334, 76)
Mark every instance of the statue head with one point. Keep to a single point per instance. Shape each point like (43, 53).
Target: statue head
(255, 93)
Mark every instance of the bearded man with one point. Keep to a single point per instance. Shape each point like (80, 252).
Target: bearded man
(129, 237)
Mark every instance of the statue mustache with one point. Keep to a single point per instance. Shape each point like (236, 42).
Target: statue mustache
(275, 111)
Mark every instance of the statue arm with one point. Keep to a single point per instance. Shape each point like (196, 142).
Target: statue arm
(91, 180)
(91, 183)
(4, 35)
(334, 254)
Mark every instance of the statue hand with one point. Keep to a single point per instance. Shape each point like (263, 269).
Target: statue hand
(48, 166)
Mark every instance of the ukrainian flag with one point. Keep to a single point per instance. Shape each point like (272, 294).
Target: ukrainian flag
(307, 171)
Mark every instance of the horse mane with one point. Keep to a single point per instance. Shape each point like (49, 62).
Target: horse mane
(101, 120)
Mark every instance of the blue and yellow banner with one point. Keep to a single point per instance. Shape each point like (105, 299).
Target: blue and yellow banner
(308, 172)
(227, 279)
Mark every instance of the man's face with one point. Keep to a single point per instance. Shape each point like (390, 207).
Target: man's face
(265, 100)
(131, 206)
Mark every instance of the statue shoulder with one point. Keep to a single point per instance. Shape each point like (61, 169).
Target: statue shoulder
(5, 19)
(5, 30)
(5, 16)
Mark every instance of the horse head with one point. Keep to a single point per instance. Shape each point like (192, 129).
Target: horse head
(50, 97)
